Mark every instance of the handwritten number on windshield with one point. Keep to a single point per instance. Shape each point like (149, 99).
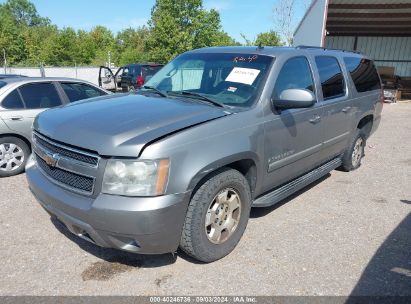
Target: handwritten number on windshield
(245, 59)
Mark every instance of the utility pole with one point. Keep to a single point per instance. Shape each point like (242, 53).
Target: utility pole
(109, 59)
(5, 61)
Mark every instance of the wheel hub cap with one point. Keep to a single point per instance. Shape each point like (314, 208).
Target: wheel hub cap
(223, 216)
(11, 157)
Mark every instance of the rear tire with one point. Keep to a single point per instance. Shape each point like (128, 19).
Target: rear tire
(352, 157)
(14, 153)
(217, 216)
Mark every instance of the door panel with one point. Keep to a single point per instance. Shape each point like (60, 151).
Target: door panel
(119, 76)
(293, 138)
(20, 121)
(338, 115)
(338, 105)
(35, 97)
(106, 79)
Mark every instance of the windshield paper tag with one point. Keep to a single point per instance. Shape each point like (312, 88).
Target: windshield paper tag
(243, 75)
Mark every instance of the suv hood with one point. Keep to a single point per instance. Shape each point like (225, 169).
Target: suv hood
(122, 125)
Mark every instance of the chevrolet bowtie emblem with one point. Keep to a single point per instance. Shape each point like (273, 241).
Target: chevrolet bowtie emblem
(51, 159)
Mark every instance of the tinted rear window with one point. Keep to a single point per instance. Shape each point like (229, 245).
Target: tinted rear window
(132, 70)
(363, 73)
(2, 84)
(331, 77)
(40, 95)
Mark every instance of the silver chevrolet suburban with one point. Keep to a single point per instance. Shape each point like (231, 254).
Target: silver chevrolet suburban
(217, 131)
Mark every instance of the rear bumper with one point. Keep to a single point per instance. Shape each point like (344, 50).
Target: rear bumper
(142, 225)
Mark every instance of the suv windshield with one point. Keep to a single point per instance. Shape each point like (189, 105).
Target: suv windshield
(229, 79)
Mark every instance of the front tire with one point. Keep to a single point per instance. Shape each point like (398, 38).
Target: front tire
(217, 216)
(14, 153)
(352, 157)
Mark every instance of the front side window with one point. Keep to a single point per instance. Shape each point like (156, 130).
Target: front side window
(40, 95)
(78, 91)
(229, 79)
(295, 74)
(13, 101)
(363, 73)
(331, 77)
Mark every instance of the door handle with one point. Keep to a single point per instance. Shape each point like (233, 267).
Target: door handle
(346, 109)
(315, 119)
(15, 118)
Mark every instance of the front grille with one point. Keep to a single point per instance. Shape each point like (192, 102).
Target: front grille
(54, 148)
(67, 178)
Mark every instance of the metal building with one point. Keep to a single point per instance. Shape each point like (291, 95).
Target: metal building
(380, 29)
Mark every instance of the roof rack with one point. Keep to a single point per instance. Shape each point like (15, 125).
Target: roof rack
(325, 49)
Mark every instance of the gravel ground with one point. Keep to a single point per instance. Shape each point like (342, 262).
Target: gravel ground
(347, 234)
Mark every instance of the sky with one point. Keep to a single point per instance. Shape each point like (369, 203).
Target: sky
(237, 16)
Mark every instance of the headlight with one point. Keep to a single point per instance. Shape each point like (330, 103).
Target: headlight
(135, 178)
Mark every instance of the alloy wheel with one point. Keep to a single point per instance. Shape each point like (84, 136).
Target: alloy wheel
(223, 216)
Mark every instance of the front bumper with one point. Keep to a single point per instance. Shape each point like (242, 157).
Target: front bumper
(151, 225)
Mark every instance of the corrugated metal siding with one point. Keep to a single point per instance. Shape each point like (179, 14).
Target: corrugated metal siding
(379, 49)
(340, 42)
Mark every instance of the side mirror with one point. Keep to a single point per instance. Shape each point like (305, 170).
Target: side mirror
(294, 99)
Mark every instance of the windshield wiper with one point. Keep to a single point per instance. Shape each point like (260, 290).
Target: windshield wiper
(199, 96)
(159, 92)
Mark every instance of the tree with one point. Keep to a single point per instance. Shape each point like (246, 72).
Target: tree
(38, 43)
(268, 39)
(103, 40)
(64, 47)
(178, 26)
(132, 45)
(284, 19)
(11, 39)
(86, 49)
(223, 39)
(25, 13)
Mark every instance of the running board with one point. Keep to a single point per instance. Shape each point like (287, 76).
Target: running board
(277, 195)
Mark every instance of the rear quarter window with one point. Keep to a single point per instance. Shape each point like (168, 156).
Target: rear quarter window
(363, 73)
(13, 101)
(331, 77)
(2, 84)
